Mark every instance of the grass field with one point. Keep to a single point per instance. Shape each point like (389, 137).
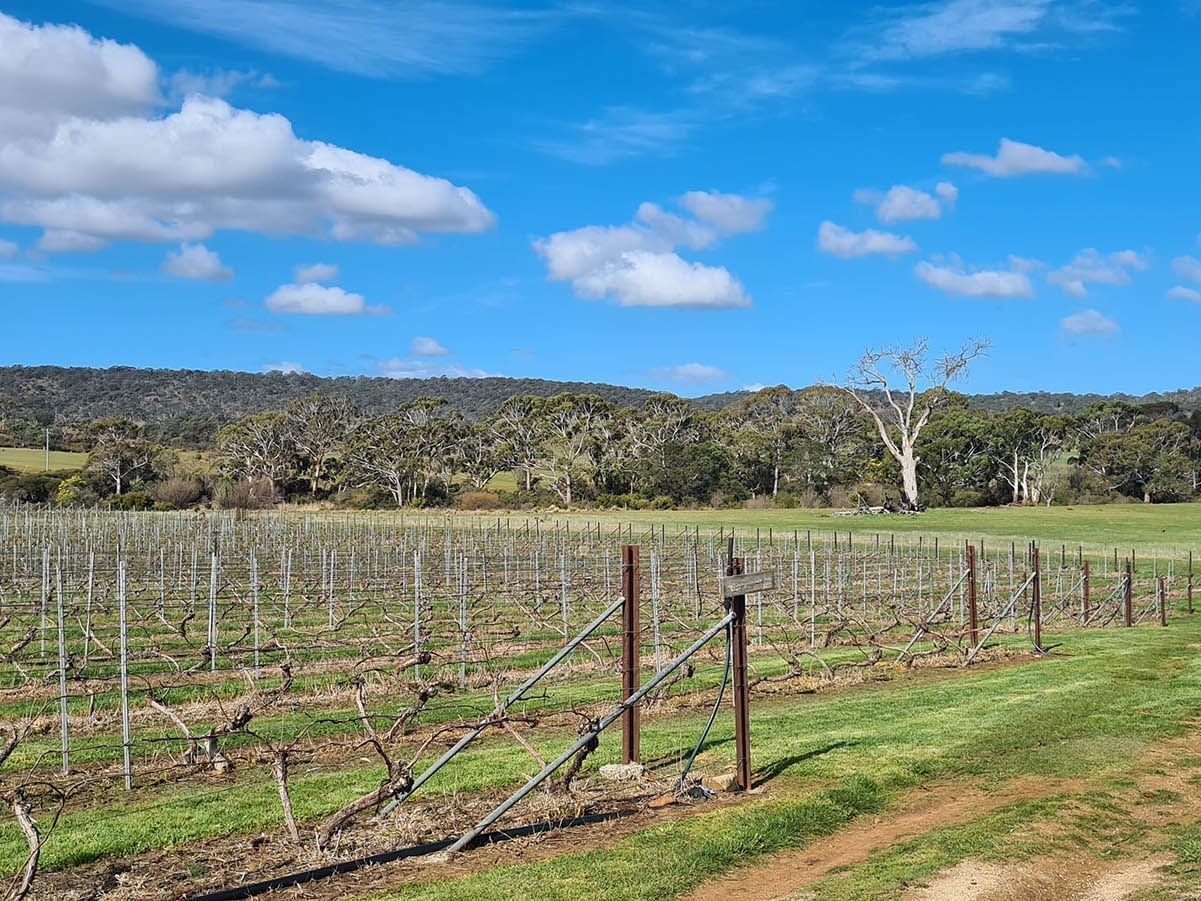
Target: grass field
(1174, 528)
(1080, 762)
(1075, 731)
(25, 459)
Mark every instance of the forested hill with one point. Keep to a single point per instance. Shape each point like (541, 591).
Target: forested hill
(197, 402)
(158, 395)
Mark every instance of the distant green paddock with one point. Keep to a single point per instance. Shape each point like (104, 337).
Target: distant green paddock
(29, 459)
(1149, 528)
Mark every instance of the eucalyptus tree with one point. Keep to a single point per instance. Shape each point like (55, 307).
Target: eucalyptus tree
(650, 431)
(831, 438)
(900, 413)
(1024, 445)
(258, 447)
(519, 428)
(405, 452)
(764, 430)
(481, 453)
(316, 426)
(119, 451)
(1153, 460)
(574, 428)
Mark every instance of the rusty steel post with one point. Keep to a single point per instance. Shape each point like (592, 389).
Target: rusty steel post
(742, 708)
(1163, 602)
(631, 651)
(1128, 597)
(1085, 600)
(1189, 587)
(973, 620)
(1036, 598)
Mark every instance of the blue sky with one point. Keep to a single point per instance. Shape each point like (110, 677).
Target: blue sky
(676, 196)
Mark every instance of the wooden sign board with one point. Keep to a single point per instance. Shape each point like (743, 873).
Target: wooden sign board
(747, 583)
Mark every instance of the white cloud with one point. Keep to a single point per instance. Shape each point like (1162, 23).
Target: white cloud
(1092, 267)
(284, 367)
(636, 264)
(753, 388)
(643, 278)
(1180, 292)
(8, 249)
(364, 37)
(842, 242)
(947, 192)
(397, 368)
(730, 214)
(954, 278)
(195, 261)
(50, 72)
(903, 203)
(690, 373)
(1089, 322)
(317, 272)
(945, 27)
(218, 83)
(80, 151)
(1187, 267)
(1015, 158)
(673, 229)
(427, 347)
(319, 300)
(58, 240)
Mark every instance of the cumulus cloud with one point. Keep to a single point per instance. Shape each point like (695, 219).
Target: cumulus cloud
(902, 203)
(317, 272)
(195, 261)
(312, 299)
(1088, 322)
(948, 192)
(1180, 292)
(637, 264)
(65, 240)
(285, 368)
(953, 277)
(1090, 266)
(52, 72)
(1188, 268)
(8, 249)
(427, 347)
(83, 150)
(689, 373)
(1015, 158)
(397, 368)
(730, 214)
(842, 242)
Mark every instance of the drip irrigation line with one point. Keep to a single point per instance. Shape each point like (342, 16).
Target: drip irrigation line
(721, 693)
(279, 883)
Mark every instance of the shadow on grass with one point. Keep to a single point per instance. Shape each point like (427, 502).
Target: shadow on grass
(778, 767)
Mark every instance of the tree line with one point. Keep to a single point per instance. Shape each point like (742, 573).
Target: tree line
(894, 435)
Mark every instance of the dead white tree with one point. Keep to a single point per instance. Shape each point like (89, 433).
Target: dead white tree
(901, 412)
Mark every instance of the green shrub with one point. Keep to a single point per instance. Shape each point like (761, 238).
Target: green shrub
(131, 500)
(364, 499)
(478, 500)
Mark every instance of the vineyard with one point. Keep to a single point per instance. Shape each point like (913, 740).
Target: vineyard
(304, 677)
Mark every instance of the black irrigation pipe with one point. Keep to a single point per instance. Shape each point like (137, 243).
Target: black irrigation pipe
(253, 889)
